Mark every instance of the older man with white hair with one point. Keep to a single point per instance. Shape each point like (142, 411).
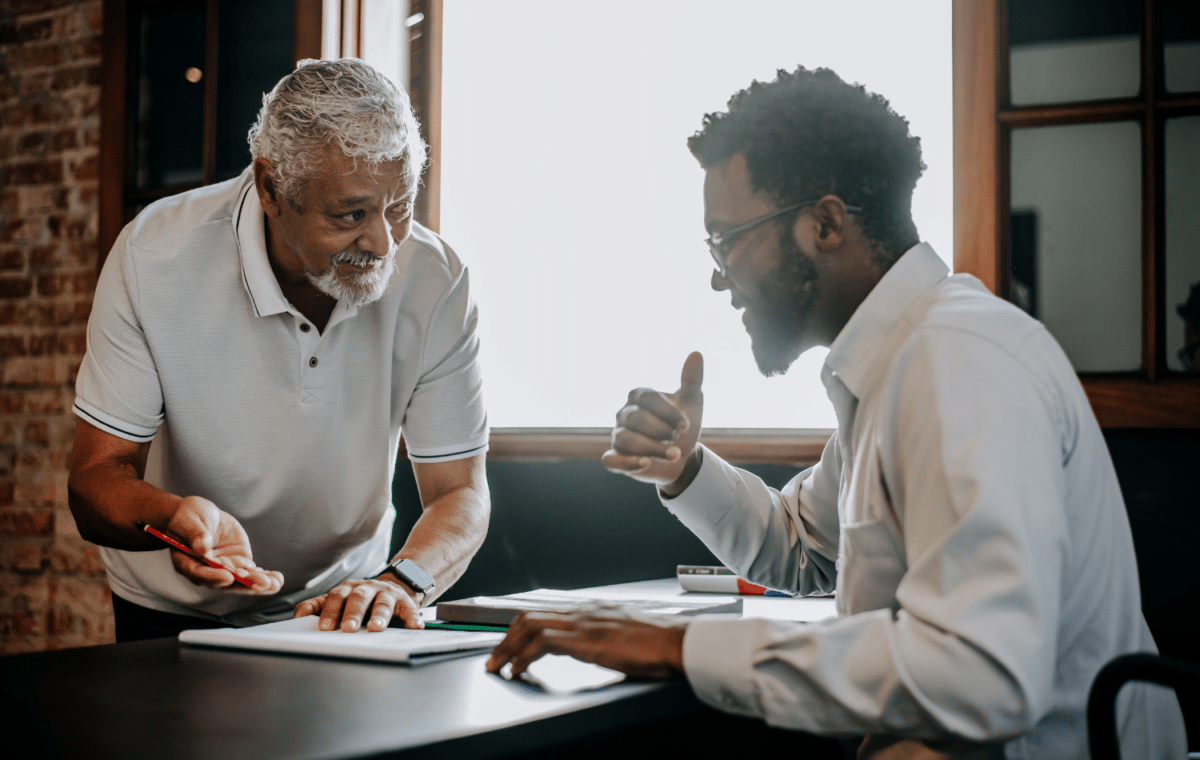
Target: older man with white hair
(255, 350)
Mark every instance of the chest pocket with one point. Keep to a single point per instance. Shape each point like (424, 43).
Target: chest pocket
(870, 565)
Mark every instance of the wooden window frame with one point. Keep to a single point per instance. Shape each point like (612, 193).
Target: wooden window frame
(983, 121)
(117, 145)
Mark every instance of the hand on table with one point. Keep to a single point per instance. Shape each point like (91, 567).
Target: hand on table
(639, 645)
(213, 533)
(656, 433)
(345, 606)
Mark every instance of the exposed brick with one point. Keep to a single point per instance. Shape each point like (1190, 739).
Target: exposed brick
(78, 283)
(33, 142)
(71, 344)
(37, 433)
(35, 31)
(13, 288)
(77, 557)
(35, 83)
(24, 230)
(12, 260)
(36, 173)
(13, 345)
(12, 313)
(88, 48)
(31, 56)
(10, 200)
(29, 371)
(12, 402)
(44, 256)
(64, 140)
(83, 252)
(53, 591)
(19, 7)
(26, 522)
(87, 169)
(27, 556)
(40, 198)
(36, 495)
(43, 401)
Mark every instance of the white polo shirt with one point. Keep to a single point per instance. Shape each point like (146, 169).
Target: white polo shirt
(191, 344)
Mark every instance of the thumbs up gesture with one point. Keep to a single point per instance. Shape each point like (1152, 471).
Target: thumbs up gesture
(656, 433)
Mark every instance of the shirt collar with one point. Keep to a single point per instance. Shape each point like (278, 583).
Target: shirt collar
(858, 346)
(249, 224)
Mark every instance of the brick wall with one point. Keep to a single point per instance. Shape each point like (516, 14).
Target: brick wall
(53, 593)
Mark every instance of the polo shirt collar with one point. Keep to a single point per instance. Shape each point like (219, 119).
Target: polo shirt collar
(249, 224)
(860, 343)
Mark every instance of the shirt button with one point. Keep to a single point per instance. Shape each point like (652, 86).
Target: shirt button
(304, 328)
(312, 362)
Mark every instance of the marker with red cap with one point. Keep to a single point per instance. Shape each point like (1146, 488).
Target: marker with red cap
(177, 545)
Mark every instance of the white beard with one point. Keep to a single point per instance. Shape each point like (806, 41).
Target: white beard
(357, 288)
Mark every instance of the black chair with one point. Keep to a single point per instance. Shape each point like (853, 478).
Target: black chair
(1102, 700)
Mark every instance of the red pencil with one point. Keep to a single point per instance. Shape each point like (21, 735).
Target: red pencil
(177, 545)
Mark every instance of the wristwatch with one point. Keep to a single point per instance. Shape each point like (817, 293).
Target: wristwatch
(410, 574)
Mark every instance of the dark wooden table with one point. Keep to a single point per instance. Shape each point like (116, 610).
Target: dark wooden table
(161, 699)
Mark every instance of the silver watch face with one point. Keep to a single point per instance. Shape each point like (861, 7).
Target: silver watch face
(412, 574)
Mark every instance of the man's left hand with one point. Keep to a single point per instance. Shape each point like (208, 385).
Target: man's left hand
(346, 606)
(640, 645)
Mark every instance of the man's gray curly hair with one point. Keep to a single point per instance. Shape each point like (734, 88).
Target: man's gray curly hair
(345, 102)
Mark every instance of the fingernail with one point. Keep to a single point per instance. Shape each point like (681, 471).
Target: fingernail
(644, 462)
(326, 624)
(672, 453)
(379, 621)
(351, 624)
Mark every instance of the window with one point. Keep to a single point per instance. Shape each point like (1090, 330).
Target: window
(563, 177)
(1076, 144)
(176, 115)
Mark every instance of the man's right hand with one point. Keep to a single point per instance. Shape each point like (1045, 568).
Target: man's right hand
(655, 439)
(213, 533)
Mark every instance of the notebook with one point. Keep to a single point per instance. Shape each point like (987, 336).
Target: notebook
(300, 636)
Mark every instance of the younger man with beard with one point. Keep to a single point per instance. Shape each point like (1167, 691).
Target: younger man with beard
(254, 351)
(965, 511)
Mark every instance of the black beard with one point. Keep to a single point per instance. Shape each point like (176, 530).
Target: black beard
(780, 316)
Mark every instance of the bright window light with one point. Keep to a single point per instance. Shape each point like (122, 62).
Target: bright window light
(568, 189)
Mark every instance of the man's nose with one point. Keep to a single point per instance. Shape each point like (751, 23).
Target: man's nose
(377, 237)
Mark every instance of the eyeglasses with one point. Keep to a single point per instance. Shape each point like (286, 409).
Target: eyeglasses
(720, 244)
(1186, 353)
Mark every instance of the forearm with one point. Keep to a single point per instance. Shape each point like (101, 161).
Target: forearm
(754, 529)
(111, 503)
(448, 534)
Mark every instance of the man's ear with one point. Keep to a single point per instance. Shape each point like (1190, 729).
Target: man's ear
(268, 196)
(830, 217)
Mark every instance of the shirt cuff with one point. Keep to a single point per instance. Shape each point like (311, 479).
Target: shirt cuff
(718, 660)
(113, 425)
(708, 499)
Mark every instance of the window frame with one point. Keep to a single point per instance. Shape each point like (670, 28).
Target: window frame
(984, 119)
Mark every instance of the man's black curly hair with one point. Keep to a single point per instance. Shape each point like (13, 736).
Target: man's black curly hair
(807, 134)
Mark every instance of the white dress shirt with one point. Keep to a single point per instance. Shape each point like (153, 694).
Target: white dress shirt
(968, 515)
